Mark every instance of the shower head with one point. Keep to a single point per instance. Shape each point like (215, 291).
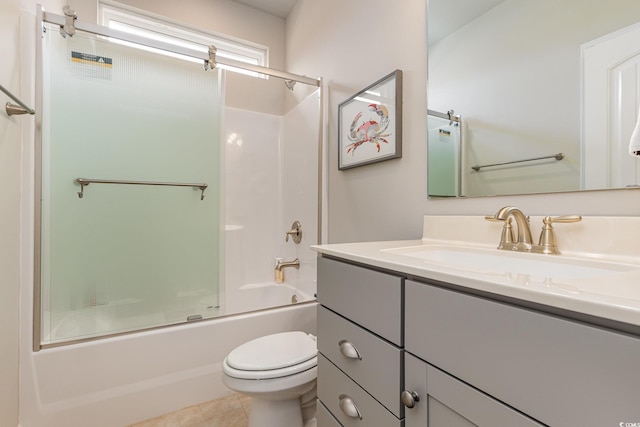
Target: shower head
(290, 84)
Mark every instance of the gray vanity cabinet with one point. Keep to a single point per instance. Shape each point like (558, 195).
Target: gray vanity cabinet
(462, 359)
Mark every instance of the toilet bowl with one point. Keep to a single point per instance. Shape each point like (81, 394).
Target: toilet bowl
(279, 373)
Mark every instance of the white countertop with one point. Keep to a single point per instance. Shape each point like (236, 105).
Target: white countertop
(615, 296)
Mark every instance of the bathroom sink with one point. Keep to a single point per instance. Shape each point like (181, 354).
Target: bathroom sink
(510, 264)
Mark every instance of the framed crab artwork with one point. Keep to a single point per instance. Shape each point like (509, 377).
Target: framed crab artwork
(370, 124)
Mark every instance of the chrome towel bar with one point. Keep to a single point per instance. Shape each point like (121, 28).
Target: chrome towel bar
(558, 156)
(85, 181)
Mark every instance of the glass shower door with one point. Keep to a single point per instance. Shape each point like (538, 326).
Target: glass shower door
(141, 247)
(443, 157)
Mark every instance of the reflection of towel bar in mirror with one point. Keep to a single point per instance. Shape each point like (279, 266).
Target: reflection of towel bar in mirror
(558, 156)
(84, 182)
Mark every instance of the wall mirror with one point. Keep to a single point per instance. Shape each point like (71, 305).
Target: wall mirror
(510, 81)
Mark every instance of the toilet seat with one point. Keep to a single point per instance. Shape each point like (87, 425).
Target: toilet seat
(272, 356)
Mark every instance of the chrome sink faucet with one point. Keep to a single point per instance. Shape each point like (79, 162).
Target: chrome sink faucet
(523, 242)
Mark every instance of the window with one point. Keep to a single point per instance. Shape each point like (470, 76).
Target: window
(134, 21)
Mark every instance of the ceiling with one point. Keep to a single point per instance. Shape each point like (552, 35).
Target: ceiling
(451, 14)
(279, 8)
(446, 16)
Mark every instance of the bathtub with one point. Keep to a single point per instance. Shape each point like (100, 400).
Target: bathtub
(264, 295)
(116, 381)
(136, 314)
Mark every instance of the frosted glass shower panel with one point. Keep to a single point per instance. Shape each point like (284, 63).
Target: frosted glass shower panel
(443, 162)
(125, 257)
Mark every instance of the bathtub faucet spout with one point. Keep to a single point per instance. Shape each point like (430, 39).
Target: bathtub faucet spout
(281, 265)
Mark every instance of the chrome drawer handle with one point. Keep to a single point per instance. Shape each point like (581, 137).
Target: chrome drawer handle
(409, 398)
(349, 350)
(349, 407)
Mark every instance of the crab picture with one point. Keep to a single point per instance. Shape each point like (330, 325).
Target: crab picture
(371, 130)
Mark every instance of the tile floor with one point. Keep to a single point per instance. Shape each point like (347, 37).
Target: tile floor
(231, 411)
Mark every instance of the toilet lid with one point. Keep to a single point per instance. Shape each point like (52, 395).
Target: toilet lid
(275, 351)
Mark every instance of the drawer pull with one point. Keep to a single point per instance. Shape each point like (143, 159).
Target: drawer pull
(349, 350)
(409, 398)
(349, 407)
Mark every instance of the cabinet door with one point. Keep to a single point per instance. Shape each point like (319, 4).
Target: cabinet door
(443, 401)
(561, 372)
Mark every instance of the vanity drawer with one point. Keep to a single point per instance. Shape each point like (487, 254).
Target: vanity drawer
(558, 371)
(370, 298)
(335, 389)
(378, 370)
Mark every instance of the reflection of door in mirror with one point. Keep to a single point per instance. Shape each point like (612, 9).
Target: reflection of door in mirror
(611, 73)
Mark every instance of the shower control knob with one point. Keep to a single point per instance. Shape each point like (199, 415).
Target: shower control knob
(295, 232)
(409, 398)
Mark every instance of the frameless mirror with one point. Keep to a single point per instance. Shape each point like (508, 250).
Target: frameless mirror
(532, 96)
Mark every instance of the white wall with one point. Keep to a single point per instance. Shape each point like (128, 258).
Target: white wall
(9, 213)
(352, 44)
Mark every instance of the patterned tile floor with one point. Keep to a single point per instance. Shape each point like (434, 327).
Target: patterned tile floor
(231, 411)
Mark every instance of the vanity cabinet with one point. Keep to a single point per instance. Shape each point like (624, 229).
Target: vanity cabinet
(360, 340)
(463, 358)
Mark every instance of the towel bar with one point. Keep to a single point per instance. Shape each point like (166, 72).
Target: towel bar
(558, 156)
(13, 109)
(85, 181)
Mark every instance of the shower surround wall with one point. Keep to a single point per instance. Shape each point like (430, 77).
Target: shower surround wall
(271, 180)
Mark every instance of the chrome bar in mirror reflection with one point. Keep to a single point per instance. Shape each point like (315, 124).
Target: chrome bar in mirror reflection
(558, 156)
(13, 109)
(84, 182)
(449, 115)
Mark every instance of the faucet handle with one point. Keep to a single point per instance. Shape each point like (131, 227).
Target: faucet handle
(507, 238)
(564, 218)
(547, 243)
(295, 232)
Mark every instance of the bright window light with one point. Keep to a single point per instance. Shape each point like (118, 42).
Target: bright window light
(122, 18)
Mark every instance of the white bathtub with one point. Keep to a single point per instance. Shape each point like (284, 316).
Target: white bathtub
(264, 295)
(136, 314)
(117, 381)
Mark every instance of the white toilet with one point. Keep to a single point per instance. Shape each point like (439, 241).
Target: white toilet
(279, 373)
